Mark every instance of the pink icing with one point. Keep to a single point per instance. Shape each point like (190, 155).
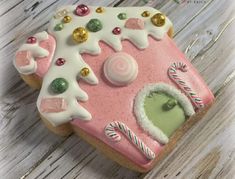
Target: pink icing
(52, 105)
(109, 103)
(134, 23)
(23, 58)
(44, 63)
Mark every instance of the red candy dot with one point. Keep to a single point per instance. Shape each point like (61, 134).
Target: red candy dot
(82, 10)
(117, 30)
(60, 61)
(31, 40)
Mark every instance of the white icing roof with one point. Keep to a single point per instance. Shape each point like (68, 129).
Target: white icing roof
(109, 21)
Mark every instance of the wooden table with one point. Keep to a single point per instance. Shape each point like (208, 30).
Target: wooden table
(204, 30)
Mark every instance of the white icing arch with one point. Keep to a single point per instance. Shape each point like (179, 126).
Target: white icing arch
(141, 116)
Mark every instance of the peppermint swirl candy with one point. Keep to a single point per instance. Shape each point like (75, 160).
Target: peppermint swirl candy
(120, 69)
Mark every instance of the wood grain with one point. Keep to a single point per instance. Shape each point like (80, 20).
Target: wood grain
(204, 30)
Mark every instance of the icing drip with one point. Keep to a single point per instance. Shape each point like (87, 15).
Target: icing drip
(71, 73)
(35, 51)
(172, 71)
(114, 136)
(141, 116)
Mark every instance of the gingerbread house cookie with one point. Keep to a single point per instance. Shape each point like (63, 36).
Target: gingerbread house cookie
(115, 77)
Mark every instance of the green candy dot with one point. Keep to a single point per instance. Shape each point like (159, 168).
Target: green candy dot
(94, 25)
(122, 16)
(59, 85)
(59, 27)
(171, 103)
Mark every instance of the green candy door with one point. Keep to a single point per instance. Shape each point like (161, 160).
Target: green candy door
(164, 112)
(160, 109)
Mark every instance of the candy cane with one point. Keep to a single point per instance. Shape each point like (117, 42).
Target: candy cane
(114, 136)
(172, 71)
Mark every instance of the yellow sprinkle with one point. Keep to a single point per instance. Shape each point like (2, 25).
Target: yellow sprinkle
(67, 19)
(158, 19)
(145, 14)
(99, 10)
(80, 34)
(85, 71)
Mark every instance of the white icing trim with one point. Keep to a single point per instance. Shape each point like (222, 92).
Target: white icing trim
(36, 52)
(142, 118)
(42, 36)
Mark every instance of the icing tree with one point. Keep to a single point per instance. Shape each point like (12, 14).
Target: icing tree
(77, 30)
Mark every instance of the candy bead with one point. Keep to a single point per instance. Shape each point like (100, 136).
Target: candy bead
(94, 25)
(158, 20)
(67, 19)
(80, 35)
(145, 14)
(59, 27)
(85, 72)
(82, 10)
(61, 13)
(59, 85)
(31, 40)
(60, 61)
(120, 69)
(99, 10)
(170, 104)
(117, 30)
(122, 16)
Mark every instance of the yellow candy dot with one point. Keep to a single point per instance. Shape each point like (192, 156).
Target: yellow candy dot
(85, 71)
(99, 10)
(145, 14)
(158, 19)
(80, 34)
(67, 19)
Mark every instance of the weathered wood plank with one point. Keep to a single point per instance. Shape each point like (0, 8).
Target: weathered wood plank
(42, 161)
(76, 158)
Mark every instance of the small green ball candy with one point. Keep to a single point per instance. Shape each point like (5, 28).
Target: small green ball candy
(122, 16)
(59, 27)
(94, 25)
(170, 104)
(59, 85)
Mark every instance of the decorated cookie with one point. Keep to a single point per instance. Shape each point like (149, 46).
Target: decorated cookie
(115, 77)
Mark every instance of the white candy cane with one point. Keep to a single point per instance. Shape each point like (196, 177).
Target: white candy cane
(172, 71)
(111, 133)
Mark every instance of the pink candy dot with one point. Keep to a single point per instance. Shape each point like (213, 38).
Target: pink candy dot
(60, 61)
(117, 30)
(31, 40)
(82, 10)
